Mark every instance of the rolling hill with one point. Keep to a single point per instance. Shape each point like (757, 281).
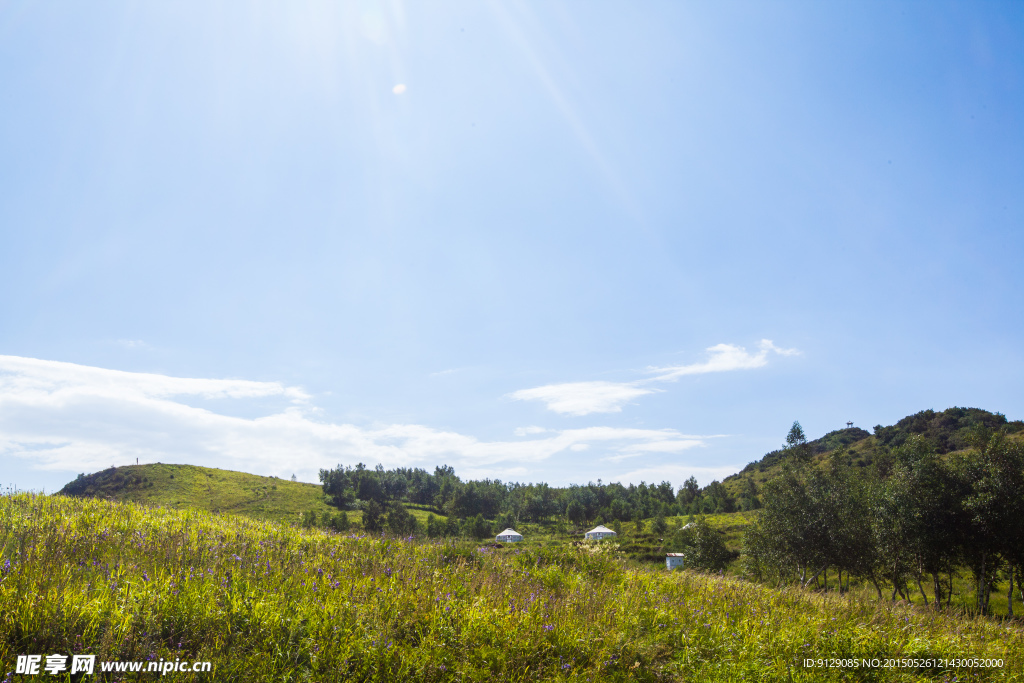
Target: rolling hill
(203, 488)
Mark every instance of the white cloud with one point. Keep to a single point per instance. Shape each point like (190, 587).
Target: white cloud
(32, 377)
(724, 358)
(64, 416)
(399, 89)
(527, 431)
(584, 398)
(620, 457)
(668, 446)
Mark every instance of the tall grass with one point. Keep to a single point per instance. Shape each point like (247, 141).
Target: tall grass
(265, 602)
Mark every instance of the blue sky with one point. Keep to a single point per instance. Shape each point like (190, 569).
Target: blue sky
(536, 241)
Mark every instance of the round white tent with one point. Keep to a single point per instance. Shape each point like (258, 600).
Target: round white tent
(508, 536)
(599, 532)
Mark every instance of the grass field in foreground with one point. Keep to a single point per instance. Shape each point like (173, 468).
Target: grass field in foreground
(267, 602)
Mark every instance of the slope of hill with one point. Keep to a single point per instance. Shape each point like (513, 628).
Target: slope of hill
(203, 488)
(946, 431)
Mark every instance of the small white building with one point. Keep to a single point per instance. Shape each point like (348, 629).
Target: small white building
(673, 560)
(599, 532)
(508, 536)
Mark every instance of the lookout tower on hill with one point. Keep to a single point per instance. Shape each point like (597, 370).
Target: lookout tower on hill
(849, 424)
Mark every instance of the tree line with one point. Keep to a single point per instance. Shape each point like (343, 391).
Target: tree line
(472, 505)
(915, 517)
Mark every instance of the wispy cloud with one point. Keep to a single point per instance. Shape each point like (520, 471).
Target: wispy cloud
(667, 446)
(526, 431)
(38, 378)
(64, 416)
(584, 398)
(723, 358)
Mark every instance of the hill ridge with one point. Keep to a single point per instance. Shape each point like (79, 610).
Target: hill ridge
(206, 488)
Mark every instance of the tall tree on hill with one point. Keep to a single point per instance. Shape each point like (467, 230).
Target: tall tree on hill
(796, 444)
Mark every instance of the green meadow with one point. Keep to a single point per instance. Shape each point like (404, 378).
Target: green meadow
(264, 601)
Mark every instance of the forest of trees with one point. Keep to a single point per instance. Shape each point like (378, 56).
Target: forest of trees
(915, 517)
(383, 494)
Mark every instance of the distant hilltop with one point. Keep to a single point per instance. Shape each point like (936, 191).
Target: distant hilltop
(946, 431)
(203, 488)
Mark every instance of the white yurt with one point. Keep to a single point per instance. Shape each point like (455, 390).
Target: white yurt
(599, 532)
(508, 536)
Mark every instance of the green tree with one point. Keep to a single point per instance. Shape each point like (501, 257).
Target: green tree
(782, 541)
(373, 517)
(689, 490)
(918, 525)
(796, 444)
(702, 546)
(575, 512)
(309, 519)
(994, 472)
(340, 521)
(660, 526)
(435, 527)
(477, 527)
(507, 521)
(400, 521)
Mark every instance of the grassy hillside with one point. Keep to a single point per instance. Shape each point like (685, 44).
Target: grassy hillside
(263, 601)
(204, 488)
